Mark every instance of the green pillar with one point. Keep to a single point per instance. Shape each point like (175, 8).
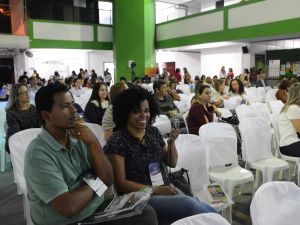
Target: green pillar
(134, 35)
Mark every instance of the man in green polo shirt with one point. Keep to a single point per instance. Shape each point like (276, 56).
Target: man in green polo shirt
(56, 160)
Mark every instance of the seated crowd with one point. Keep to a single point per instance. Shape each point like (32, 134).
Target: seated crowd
(66, 148)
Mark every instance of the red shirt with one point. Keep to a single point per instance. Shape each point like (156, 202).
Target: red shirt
(196, 117)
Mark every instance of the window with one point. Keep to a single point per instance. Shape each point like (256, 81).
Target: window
(105, 12)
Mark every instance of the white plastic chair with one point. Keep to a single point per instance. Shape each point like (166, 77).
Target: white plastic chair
(225, 112)
(185, 88)
(232, 102)
(202, 219)
(182, 105)
(270, 95)
(276, 106)
(245, 111)
(192, 157)
(184, 116)
(2, 140)
(163, 124)
(260, 94)
(262, 111)
(220, 142)
(276, 203)
(295, 160)
(18, 144)
(98, 131)
(256, 149)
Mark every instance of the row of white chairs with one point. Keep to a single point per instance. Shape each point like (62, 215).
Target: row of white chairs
(274, 203)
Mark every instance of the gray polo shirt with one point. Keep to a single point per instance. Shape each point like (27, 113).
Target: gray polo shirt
(51, 170)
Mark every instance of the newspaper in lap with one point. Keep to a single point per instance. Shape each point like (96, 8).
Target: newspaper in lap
(117, 207)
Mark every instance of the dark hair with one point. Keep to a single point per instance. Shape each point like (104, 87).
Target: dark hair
(95, 93)
(201, 88)
(284, 84)
(129, 101)
(157, 84)
(241, 86)
(44, 97)
(123, 78)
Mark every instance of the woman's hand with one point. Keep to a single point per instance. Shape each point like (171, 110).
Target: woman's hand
(164, 190)
(173, 136)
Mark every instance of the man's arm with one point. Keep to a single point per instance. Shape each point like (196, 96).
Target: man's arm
(100, 163)
(70, 203)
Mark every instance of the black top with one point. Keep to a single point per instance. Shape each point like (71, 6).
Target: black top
(138, 155)
(94, 113)
(18, 120)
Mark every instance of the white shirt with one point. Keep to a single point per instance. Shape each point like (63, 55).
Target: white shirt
(288, 134)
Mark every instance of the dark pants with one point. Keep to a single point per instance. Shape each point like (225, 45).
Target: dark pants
(147, 217)
(291, 150)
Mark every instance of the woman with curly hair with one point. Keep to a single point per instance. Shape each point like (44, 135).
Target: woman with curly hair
(137, 147)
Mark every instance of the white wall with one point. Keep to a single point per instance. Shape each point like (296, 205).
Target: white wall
(214, 58)
(182, 59)
(97, 58)
(46, 61)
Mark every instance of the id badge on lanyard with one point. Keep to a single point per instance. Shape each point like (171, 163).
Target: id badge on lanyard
(155, 174)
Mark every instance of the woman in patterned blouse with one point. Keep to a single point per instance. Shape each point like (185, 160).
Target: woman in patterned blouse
(137, 151)
(20, 114)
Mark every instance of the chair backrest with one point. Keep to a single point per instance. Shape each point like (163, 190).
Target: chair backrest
(262, 111)
(276, 106)
(270, 96)
(225, 112)
(163, 124)
(276, 203)
(261, 94)
(232, 102)
(18, 144)
(183, 105)
(245, 111)
(184, 116)
(191, 156)
(185, 88)
(98, 131)
(256, 139)
(220, 143)
(203, 219)
(274, 122)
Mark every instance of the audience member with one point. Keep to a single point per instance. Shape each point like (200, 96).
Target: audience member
(137, 147)
(230, 73)
(201, 112)
(77, 90)
(281, 93)
(108, 123)
(261, 80)
(173, 92)
(56, 160)
(236, 88)
(289, 123)
(107, 77)
(178, 75)
(20, 114)
(97, 104)
(222, 73)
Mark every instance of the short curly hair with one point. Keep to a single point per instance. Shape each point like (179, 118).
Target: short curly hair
(129, 101)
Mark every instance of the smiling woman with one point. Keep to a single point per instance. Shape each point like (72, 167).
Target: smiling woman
(138, 152)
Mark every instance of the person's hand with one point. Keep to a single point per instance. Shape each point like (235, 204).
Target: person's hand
(173, 135)
(164, 190)
(81, 132)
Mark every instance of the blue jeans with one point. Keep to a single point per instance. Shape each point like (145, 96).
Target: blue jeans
(170, 208)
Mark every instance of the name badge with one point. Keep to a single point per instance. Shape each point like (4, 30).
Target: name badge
(95, 183)
(155, 174)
